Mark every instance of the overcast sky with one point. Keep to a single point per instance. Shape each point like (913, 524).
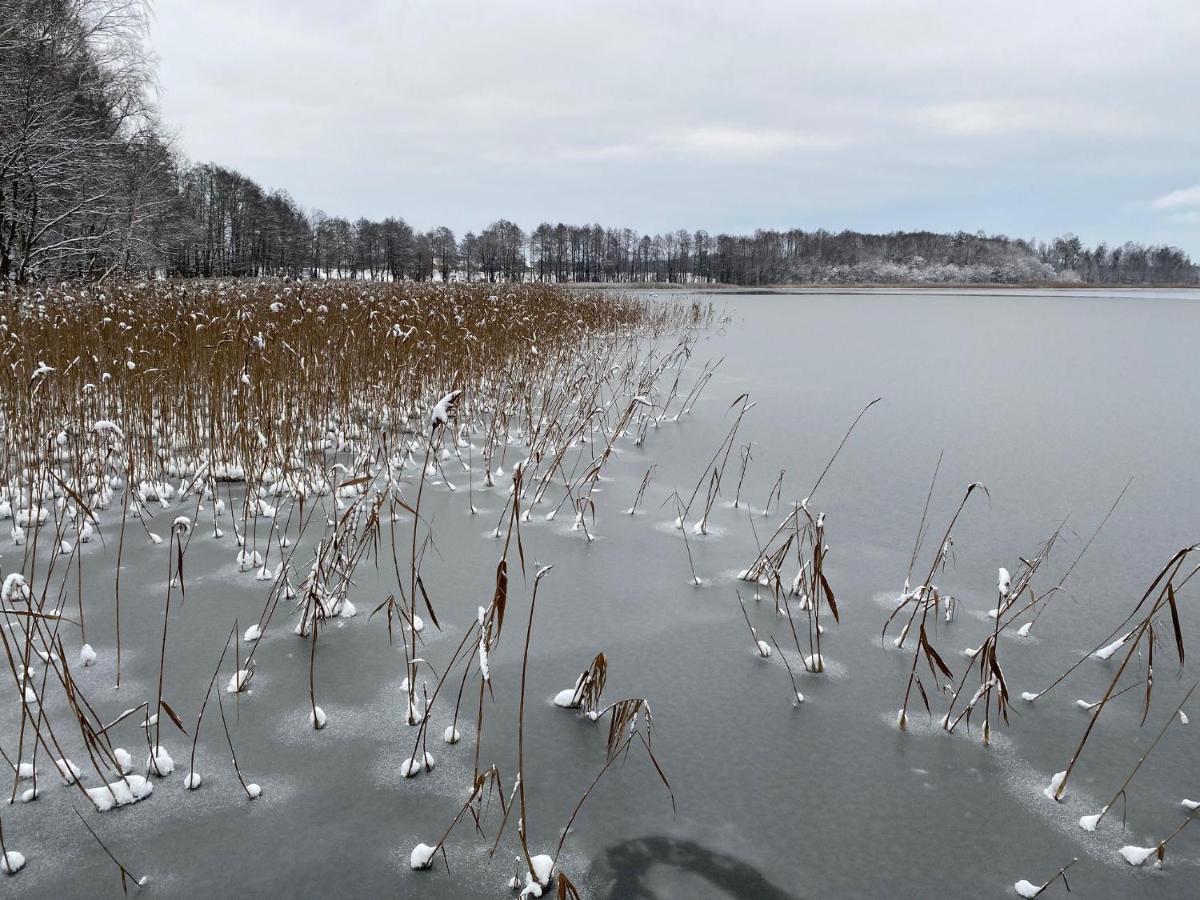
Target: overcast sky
(1029, 119)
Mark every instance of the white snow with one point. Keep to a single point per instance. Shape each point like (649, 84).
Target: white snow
(12, 862)
(451, 735)
(248, 559)
(1190, 804)
(1023, 631)
(421, 857)
(1089, 823)
(1003, 581)
(316, 718)
(1137, 856)
(237, 683)
(1051, 789)
(253, 633)
(104, 427)
(129, 789)
(159, 762)
(444, 409)
(484, 669)
(764, 649)
(538, 877)
(566, 699)
(15, 588)
(1027, 889)
(124, 760)
(1106, 652)
(415, 713)
(254, 791)
(1029, 696)
(411, 767)
(68, 770)
(192, 781)
(87, 656)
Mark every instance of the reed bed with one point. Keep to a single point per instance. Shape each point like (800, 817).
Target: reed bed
(307, 420)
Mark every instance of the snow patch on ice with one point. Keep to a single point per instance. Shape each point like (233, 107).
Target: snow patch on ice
(12, 862)
(129, 789)
(1051, 790)
(421, 857)
(159, 762)
(1106, 652)
(1137, 856)
(537, 879)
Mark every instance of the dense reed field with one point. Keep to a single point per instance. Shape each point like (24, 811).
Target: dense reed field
(307, 421)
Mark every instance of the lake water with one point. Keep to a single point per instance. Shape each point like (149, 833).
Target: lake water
(1053, 400)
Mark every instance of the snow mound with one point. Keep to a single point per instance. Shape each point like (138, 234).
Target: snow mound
(12, 862)
(538, 878)
(68, 770)
(421, 857)
(1055, 783)
(129, 789)
(412, 766)
(566, 699)
(124, 760)
(1137, 856)
(159, 762)
(237, 683)
(1106, 652)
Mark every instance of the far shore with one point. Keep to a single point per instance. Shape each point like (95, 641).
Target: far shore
(850, 287)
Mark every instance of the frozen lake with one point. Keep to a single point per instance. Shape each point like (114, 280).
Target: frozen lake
(1053, 400)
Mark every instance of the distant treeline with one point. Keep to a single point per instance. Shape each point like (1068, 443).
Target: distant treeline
(89, 186)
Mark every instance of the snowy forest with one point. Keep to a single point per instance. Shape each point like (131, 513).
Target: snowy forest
(90, 184)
